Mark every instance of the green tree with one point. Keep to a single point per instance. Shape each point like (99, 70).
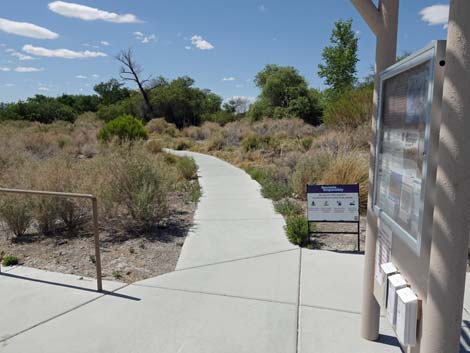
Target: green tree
(39, 108)
(80, 103)
(111, 91)
(181, 103)
(284, 93)
(340, 58)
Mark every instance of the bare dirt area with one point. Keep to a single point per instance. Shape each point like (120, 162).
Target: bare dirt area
(339, 242)
(128, 255)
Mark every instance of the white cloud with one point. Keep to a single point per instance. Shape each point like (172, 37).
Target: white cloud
(145, 39)
(435, 15)
(19, 55)
(69, 9)
(187, 47)
(26, 29)
(80, 77)
(262, 8)
(28, 69)
(9, 84)
(105, 43)
(61, 53)
(4, 69)
(231, 78)
(95, 75)
(43, 88)
(201, 43)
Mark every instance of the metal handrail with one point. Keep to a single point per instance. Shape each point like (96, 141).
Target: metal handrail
(94, 202)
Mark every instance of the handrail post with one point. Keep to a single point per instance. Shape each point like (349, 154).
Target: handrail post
(96, 233)
(97, 244)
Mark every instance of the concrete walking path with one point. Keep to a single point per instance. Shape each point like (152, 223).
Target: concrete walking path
(239, 287)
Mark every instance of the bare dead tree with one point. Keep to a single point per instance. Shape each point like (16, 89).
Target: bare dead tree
(132, 71)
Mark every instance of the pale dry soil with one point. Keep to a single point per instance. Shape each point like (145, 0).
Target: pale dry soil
(128, 254)
(339, 242)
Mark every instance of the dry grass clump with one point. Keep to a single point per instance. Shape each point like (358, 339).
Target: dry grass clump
(162, 127)
(350, 168)
(154, 146)
(342, 140)
(310, 169)
(290, 128)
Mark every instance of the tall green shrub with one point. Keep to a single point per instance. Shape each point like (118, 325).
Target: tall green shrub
(124, 128)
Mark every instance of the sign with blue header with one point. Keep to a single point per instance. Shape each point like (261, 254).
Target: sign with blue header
(333, 203)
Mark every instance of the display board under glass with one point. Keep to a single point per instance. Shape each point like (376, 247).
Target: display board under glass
(404, 117)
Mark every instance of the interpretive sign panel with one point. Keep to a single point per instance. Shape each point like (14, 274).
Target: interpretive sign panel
(401, 147)
(333, 203)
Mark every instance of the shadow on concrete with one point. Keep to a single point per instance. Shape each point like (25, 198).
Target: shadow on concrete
(350, 252)
(104, 292)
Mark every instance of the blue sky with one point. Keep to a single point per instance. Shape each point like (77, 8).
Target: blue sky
(221, 44)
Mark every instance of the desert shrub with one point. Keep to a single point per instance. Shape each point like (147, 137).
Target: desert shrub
(274, 189)
(187, 167)
(182, 143)
(191, 190)
(257, 174)
(9, 260)
(235, 131)
(297, 229)
(362, 136)
(255, 142)
(110, 112)
(72, 212)
(140, 184)
(309, 170)
(46, 213)
(194, 133)
(124, 128)
(16, 213)
(216, 142)
(350, 109)
(153, 146)
(291, 128)
(209, 128)
(162, 127)
(350, 168)
(60, 174)
(288, 207)
(271, 187)
(306, 142)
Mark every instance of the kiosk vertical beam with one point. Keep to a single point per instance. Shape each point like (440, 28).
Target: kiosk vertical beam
(383, 21)
(442, 311)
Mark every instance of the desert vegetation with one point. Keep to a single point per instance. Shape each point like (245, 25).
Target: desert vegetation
(144, 193)
(110, 144)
